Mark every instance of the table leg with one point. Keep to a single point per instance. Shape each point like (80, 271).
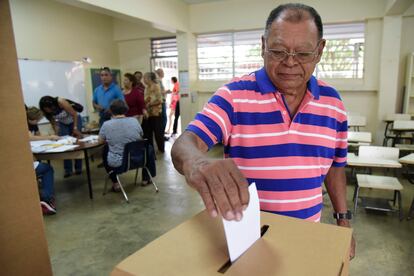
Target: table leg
(88, 174)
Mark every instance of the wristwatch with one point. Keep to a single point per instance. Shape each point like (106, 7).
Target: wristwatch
(347, 215)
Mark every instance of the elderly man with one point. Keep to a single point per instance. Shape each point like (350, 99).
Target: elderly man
(104, 94)
(281, 128)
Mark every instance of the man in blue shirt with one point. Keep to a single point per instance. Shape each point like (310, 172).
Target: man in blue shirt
(104, 94)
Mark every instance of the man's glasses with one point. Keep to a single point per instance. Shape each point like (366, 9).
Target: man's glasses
(302, 57)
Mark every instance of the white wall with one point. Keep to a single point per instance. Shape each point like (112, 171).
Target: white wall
(134, 55)
(169, 15)
(407, 47)
(246, 14)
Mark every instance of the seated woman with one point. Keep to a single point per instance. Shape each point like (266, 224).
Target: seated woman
(34, 115)
(118, 132)
(63, 112)
(44, 172)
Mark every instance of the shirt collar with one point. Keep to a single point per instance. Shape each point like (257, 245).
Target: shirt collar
(266, 85)
(109, 87)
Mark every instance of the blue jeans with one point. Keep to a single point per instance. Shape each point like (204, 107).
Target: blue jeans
(45, 173)
(68, 130)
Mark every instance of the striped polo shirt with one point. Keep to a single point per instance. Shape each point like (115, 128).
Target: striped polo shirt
(288, 158)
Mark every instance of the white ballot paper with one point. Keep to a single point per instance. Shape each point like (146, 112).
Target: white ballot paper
(240, 235)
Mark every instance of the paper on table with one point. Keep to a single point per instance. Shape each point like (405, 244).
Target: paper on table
(66, 140)
(90, 138)
(240, 235)
(39, 143)
(62, 148)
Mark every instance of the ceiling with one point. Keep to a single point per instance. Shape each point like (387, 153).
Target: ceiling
(192, 2)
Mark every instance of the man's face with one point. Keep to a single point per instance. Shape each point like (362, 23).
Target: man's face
(106, 77)
(160, 73)
(289, 75)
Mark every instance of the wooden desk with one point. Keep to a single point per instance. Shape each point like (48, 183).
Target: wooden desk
(82, 152)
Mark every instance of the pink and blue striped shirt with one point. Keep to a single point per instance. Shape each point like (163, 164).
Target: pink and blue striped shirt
(288, 158)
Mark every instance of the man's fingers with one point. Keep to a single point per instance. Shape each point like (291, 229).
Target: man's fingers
(233, 195)
(219, 194)
(242, 184)
(205, 194)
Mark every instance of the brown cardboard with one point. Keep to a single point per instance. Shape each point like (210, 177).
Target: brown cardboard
(289, 247)
(23, 248)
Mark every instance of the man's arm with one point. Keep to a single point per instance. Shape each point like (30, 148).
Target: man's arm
(218, 181)
(335, 183)
(95, 102)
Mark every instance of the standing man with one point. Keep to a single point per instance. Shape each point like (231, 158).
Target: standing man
(104, 94)
(281, 128)
(160, 75)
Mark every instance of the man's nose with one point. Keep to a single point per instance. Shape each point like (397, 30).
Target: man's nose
(290, 60)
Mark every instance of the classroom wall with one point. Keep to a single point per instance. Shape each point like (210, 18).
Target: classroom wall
(46, 29)
(168, 15)
(407, 47)
(133, 43)
(134, 55)
(246, 14)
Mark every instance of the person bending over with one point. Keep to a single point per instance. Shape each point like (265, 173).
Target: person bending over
(68, 120)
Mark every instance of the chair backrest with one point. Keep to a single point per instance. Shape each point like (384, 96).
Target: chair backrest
(357, 120)
(374, 152)
(134, 155)
(398, 117)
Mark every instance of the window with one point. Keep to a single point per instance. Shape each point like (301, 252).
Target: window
(164, 47)
(225, 55)
(343, 55)
(164, 54)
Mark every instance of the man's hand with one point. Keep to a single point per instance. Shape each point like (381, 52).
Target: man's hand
(221, 186)
(345, 223)
(53, 137)
(98, 107)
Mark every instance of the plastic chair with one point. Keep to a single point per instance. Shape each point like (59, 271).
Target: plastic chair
(135, 157)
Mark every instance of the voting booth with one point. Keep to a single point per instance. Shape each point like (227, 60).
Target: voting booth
(288, 247)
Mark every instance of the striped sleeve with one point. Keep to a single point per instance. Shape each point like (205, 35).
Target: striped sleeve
(341, 145)
(213, 124)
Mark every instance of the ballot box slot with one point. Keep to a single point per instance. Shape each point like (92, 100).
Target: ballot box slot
(228, 264)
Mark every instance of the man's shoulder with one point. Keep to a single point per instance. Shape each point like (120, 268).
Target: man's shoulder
(115, 87)
(327, 90)
(245, 82)
(98, 88)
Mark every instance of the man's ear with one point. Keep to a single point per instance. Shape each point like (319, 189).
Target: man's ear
(263, 46)
(322, 44)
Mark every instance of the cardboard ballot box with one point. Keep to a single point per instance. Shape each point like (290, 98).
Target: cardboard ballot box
(288, 247)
